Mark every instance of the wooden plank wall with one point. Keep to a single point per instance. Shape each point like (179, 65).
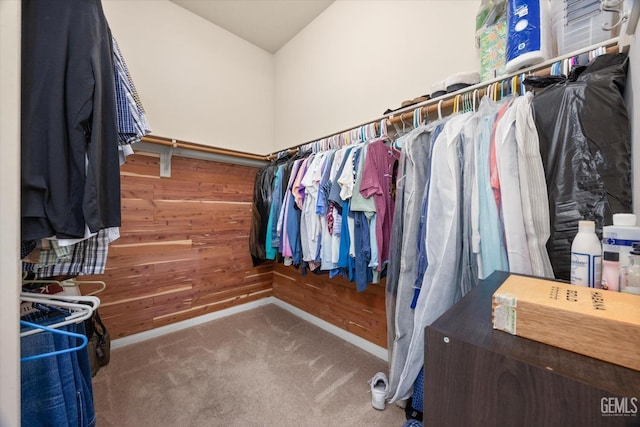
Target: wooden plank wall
(183, 250)
(335, 301)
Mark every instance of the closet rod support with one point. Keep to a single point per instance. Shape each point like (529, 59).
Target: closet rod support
(165, 162)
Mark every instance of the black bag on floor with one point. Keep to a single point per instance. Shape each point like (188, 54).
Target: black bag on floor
(99, 345)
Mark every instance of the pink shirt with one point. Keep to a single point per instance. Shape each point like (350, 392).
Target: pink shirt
(377, 180)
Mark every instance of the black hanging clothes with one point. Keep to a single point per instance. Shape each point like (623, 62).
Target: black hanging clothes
(262, 195)
(69, 154)
(585, 145)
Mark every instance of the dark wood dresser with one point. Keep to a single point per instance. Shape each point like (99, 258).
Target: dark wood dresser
(477, 376)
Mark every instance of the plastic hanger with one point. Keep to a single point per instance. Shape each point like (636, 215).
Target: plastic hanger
(75, 283)
(440, 109)
(383, 129)
(404, 131)
(612, 6)
(474, 96)
(78, 312)
(39, 328)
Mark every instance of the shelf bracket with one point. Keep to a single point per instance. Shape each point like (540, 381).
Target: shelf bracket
(165, 160)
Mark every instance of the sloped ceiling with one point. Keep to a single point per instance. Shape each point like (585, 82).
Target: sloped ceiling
(268, 24)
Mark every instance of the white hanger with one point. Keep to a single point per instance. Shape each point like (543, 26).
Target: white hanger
(78, 312)
(475, 94)
(72, 283)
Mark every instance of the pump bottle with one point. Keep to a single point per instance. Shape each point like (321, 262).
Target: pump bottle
(586, 256)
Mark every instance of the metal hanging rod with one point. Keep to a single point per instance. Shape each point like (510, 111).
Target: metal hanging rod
(446, 102)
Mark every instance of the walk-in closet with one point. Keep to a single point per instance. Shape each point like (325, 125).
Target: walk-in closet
(306, 212)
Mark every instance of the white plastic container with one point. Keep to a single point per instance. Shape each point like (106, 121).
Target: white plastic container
(620, 236)
(619, 239)
(578, 24)
(631, 284)
(528, 34)
(586, 256)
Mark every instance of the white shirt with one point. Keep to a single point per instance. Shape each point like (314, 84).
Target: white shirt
(533, 187)
(443, 243)
(507, 163)
(309, 220)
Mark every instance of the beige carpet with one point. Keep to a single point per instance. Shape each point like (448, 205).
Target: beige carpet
(264, 367)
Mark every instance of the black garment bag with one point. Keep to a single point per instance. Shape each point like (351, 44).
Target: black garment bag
(585, 144)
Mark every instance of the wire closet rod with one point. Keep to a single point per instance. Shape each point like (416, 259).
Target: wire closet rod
(448, 100)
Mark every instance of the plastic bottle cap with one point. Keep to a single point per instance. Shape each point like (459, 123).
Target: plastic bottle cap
(586, 226)
(611, 256)
(624, 219)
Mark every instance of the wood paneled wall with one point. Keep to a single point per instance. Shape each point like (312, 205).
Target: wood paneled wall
(183, 250)
(335, 301)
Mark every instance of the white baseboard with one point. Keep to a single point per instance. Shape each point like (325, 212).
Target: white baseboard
(368, 346)
(376, 350)
(162, 330)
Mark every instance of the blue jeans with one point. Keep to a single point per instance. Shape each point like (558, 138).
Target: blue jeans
(56, 390)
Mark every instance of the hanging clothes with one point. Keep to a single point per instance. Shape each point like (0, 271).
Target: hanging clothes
(272, 242)
(87, 257)
(310, 224)
(55, 390)
(77, 128)
(470, 272)
(492, 253)
(440, 286)
(69, 157)
(411, 185)
(533, 187)
(262, 192)
(132, 121)
(585, 145)
(511, 200)
(377, 180)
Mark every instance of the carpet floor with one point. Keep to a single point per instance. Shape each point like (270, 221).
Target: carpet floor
(263, 367)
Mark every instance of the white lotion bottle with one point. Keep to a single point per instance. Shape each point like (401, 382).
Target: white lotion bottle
(586, 256)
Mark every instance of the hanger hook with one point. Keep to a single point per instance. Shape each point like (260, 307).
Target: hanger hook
(611, 6)
(383, 129)
(475, 94)
(440, 109)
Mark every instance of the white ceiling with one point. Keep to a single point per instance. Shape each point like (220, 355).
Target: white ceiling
(268, 24)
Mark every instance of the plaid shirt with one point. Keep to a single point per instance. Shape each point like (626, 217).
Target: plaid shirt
(87, 257)
(132, 122)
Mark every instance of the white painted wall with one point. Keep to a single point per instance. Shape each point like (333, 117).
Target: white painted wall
(359, 58)
(9, 212)
(198, 82)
